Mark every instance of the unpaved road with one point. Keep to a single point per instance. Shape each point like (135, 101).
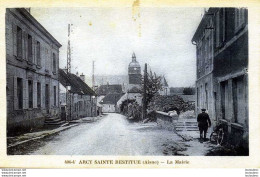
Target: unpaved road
(112, 135)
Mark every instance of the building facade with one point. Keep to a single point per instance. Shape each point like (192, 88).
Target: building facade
(108, 97)
(109, 102)
(83, 98)
(222, 62)
(32, 62)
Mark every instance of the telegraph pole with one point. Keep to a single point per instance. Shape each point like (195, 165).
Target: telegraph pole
(93, 75)
(68, 95)
(93, 88)
(144, 93)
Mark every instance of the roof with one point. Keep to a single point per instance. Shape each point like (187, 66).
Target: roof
(135, 89)
(188, 98)
(203, 23)
(77, 85)
(30, 18)
(111, 98)
(106, 89)
(134, 63)
(164, 82)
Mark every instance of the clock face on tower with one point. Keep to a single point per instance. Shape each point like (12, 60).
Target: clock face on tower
(135, 68)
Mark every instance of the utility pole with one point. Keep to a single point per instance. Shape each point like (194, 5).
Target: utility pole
(93, 75)
(144, 93)
(68, 88)
(93, 88)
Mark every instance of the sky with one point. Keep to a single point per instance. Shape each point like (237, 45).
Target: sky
(160, 37)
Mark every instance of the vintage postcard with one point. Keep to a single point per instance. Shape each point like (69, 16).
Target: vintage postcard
(136, 84)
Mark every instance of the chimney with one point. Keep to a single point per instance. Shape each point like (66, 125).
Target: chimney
(82, 77)
(28, 10)
(65, 70)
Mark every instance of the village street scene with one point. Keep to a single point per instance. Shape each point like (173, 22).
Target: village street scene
(127, 81)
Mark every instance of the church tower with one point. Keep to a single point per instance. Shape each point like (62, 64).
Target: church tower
(134, 71)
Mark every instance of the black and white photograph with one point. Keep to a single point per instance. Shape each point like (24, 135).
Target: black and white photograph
(127, 81)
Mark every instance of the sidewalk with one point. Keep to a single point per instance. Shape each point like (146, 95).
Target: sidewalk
(195, 146)
(24, 138)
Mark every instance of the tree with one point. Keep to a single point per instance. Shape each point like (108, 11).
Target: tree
(189, 91)
(153, 85)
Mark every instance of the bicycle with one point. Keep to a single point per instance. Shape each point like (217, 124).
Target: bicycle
(218, 135)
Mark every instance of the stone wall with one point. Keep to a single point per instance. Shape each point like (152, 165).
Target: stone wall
(166, 121)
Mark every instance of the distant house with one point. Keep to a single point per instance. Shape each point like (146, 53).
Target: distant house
(105, 92)
(165, 87)
(83, 97)
(109, 102)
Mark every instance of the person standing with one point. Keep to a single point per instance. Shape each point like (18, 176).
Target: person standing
(203, 123)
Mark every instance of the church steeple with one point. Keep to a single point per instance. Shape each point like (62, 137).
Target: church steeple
(134, 71)
(133, 57)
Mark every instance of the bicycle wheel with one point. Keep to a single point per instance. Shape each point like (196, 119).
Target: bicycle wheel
(220, 138)
(213, 137)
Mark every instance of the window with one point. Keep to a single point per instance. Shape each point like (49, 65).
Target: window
(38, 94)
(206, 95)
(239, 101)
(47, 93)
(30, 93)
(54, 90)
(53, 62)
(224, 98)
(215, 104)
(19, 42)
(239, 18)
(198, 97)
(220, 27)
(20, 93)
(38, 53)
(30, 57)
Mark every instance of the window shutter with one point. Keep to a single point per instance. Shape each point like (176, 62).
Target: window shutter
(224, 24)
(33, 50)
(34, 94)
(25, 46)
(42, 55)
(15, 39)
(25, 93)
(43, 95)
(50, 60)
(15, 94)
(217, 29)
(45, 57)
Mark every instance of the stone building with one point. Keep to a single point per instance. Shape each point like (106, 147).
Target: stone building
(83, 98)
(107, 94)
(32, 62)
(109, 102)
(204, 40)
(222, 62)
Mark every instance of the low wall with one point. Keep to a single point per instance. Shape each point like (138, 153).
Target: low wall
(166, 121)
